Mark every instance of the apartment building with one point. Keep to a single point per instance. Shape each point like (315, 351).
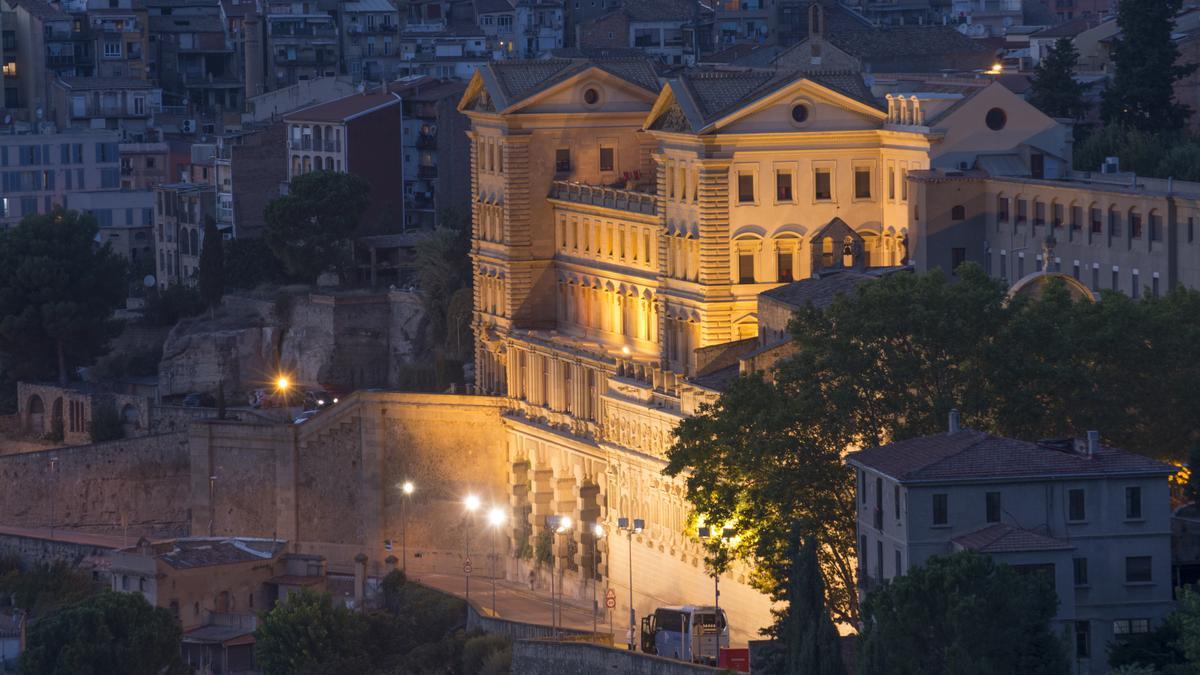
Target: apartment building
(666, 30)
(435, 142)
(48, 43)
(193, 58)
(126, 220)
(1094, 519)
(39, 170)
(121, 103)
(180, 210)
(359, 134)
(443, 39)
(371, 31)
(302, 43)
(624, 229)
(1105, 230)
(144, 165)
(257, 164)
(121, 30)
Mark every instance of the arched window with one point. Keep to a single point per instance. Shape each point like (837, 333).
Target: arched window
(958, 213)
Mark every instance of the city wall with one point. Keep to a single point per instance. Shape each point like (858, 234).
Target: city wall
(545, 657)
(138, 482)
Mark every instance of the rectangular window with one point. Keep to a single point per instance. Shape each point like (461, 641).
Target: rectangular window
(1133, 503)
(992, 507)
(1138, 569)
(862, 486)
(958, 256)
(745, 186)
(899, 564)
(1114, 223)
(1039, 214)
(862, 183)
(1057, 216)
(1022, 211)
(1079, 567)
(822, 185)
(896, 502)
(783, 186)
(1002, 209)
(785, 267)
(892, 185)
(1135, 225)
(1076, 218)
(879, 560)
(562, 160)
(606, 159)
(1097, 223)
(1083, 639)
(1155, 227)
(941, 509)
(904, 184)
(1076, 510)
(745, 268)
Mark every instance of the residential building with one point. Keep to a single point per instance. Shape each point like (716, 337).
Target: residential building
(302, 43)
(193, 58)
(738, 21)
(898, 12)
(270, 106)
(144, 165)
(180, 210)
(49, 43)
(120, 28)
(1095, 520)
(435, 141)
(126, 220)
(371, 30)
(38, 170)
(1073, 9)
(665, 30)
(9, 58)
(1105, 230)
(443, 40)
(121, 103)
(983, 18)
(359, 134)
(623, 230)
(251, 166)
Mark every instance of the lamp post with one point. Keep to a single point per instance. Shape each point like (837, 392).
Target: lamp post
(631, 527)
(472, 505)
(407, 489)
(726, 533)
(53, 491)
(496, 518)
(597, 535)
(212, 503)
(559, 525)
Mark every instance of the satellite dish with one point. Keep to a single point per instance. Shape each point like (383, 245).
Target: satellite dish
(148, 282)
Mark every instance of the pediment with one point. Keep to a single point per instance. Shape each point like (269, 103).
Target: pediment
(823, 109)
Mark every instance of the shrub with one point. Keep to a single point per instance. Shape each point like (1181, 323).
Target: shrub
(106, 424)
(479, 649)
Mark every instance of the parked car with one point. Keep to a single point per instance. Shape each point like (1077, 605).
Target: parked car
(305, 416)
(318, 398)
(198, 400)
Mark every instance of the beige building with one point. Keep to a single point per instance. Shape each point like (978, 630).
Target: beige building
(1108, 231)
(624, 229)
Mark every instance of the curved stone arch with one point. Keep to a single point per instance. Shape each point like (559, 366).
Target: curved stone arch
(35, 414)
(56, 414)
(1034, 284)
(871, 227)
(748, 231)
(795, 229)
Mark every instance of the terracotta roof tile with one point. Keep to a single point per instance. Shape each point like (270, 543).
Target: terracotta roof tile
(818, 291)
(971, 455)
(343, 108)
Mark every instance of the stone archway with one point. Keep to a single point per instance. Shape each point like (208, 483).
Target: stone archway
(35, 415)
(57, 427)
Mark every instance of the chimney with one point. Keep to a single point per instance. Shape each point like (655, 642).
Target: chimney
(954, 427)
(1093, 443)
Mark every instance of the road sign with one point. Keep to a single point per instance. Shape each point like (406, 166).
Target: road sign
(610, 598)
(467, 566)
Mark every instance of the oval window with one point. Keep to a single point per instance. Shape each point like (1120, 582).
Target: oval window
(799, 113)
(996, 119)
(591, 96)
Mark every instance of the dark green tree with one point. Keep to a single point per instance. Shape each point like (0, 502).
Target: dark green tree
(1054, 89)
(106, 424)
(962, 613)
(1191, 490)
(805, 627)
(58, 291)
(44, 588)
(212, 266)
(308, 229)
(1146, 67)
(250, 263)
(307, 634)
(109, 633)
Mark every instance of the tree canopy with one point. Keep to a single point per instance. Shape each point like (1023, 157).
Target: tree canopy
(1054, 89)
(58, 290)
(889, 362)
(108, 633)
(307, 634)
(962, 613)
(1145, 68)
(307, 228)
(212, 265)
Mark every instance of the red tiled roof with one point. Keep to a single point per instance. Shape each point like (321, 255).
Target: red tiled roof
(343, 108)
(975, 455)
(1001, 538)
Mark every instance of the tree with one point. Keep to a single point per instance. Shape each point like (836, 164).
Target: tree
(212, 265)
(962, 613)
(1191, 491)
(43, 588)
(167, 307)
(106, 424)
(805, 628)
(57, 294)
(1146, 67)
(307, 634)
(1054, 89)
(250, 263)
(307, 229)
(109, 633)
(443, 273)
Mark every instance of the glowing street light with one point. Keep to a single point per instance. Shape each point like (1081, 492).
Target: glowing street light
(597, 535)
(282, 383)
(558, 525)
(495, 518)
(631, 527)
(406, 488)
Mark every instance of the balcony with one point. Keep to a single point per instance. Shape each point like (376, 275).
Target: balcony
(327, 32)
(427, 172)
(607, 197)
(381, 29)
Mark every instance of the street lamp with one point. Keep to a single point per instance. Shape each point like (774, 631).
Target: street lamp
(559, 525)
(721, 536)
(632, 528)
(496, 518)
(472, 505)
(406, 488)
(597, 535)
(53, 491)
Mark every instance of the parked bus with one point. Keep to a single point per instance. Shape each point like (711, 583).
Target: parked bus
(689, 633)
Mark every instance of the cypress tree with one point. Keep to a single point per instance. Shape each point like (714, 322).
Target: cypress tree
(1146, 67)
(810, 639)
(1054, 89)
(212, 266)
